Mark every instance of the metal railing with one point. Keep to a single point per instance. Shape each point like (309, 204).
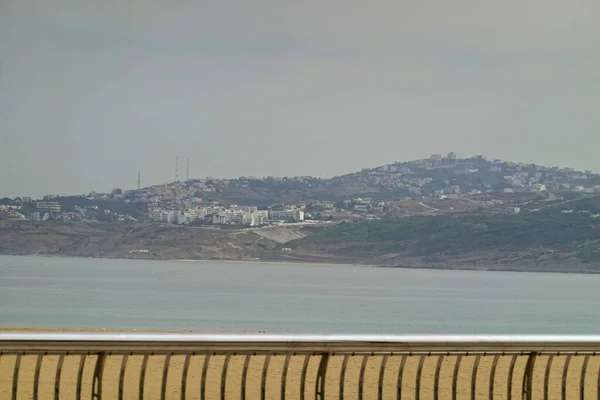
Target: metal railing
(199, 366)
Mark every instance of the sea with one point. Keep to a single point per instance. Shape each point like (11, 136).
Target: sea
(50, 292)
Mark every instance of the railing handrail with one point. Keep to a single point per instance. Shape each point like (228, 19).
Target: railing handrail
(102, 341)
(133, 336)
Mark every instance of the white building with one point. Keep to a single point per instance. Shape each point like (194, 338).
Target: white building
(221, 218)
(48, 206)
(169, 217)
(257, 218)
(440, 195)
(288, 215)
(178, 218)
(248, 209)
(194, 214)
(241, 217)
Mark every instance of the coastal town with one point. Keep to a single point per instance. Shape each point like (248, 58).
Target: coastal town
(431, 186)
(442, 211)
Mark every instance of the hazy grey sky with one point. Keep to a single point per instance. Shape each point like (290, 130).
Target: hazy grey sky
(92, 91)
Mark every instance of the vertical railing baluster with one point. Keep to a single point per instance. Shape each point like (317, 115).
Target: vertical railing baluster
(436, 379)
(582, 377)
(303, 377)
(165, 377)
(493, 375)
(381, 377)
(122, 375)
(400, 378)
(343, 375)
(564, 377)
(527, 389)
(224, 376)
(98, 373)
(143, 376)
(184, 375)
(474, 377)
(511, 374)
(321, 377)
(547, 375)
(36, 378)
(455, 376)
(598, 385)
(286, 366)
(419, 374)
(80, 376)
(263, 380)
(204, 374)
(57, 377)
(15, 385)
(245, 376)
(361, 379)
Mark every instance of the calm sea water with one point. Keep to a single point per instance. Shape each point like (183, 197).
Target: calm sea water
(98, 293)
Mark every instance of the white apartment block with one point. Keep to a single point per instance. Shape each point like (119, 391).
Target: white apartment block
(198, 213)
(289, 215)
(178, 218)
(240, 217)
(221, 218)
(48, 206)
(247, 209)
(169, 217)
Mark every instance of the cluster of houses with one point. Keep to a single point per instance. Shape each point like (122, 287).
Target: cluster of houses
(474, 173)
(232, 215)
(46, 210)
(10, 212)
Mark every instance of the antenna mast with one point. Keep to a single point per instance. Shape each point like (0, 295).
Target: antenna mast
(176, 169)
(139, 174)
(187, 177)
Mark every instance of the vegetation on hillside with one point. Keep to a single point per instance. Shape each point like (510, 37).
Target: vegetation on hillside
(424, 236)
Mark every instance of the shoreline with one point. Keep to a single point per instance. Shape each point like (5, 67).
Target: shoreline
(271, 262)
(312, 262)
(186, 260)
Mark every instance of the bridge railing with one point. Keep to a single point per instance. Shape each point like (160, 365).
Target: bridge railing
(206, 366)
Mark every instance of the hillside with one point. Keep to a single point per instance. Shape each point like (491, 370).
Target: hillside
(436, 185)
(148, 241)
(438, 212)
(544, 240)
(424, 178)
(560, 240)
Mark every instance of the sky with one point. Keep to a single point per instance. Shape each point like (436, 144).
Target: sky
(93, 91)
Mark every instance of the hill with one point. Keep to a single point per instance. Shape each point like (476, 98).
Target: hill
(431, 186)
(544, 240)
(560, 240)
(424, 178)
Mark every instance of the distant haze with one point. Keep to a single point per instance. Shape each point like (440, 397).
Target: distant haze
(92, 91)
